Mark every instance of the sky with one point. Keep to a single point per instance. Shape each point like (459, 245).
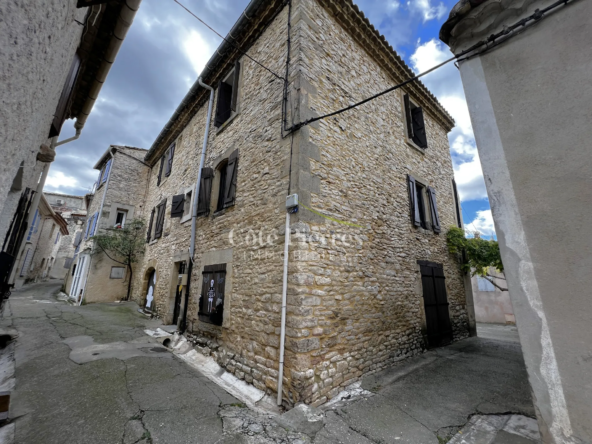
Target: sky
(166, 49)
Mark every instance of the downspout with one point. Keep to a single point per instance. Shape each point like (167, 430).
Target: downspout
(183, 324)
(98, 221)
(284, 298)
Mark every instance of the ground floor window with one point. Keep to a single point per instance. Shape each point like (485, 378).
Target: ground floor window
(211, 301)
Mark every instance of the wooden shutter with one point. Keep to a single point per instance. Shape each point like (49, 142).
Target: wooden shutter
(149, 232)
(205, 192)
(160, 219)
(231, 173)
(434, 210)
(62, 109)
(177, 205)
(408, 120)
(170, 157)
(223, 109)
(413, 204)
(160, 171)
(456, 204)
(234, 100)
(419, 132)
(105, 172)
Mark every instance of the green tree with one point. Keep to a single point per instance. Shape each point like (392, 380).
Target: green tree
(477, 255)
(122, 245)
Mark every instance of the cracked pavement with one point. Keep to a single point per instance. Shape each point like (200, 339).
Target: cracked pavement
(91, 375)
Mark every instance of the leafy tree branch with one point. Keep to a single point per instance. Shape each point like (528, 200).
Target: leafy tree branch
(477, 255)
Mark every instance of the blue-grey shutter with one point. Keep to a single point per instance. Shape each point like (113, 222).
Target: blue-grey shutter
(434, 210)
(413, 204)
(106, 171)
(94, 224)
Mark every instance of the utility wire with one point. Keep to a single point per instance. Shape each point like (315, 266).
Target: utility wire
(489, 43)
(228, 41)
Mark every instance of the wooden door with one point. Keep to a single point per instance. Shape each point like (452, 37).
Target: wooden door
(436, 304)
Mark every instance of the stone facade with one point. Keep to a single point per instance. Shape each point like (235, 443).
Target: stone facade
(38, 47)
(123, 189)
(355, 289)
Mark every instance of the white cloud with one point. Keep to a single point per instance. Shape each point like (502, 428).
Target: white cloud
(483, 223)
(446, 84)
(427, 11)
(197, 50)
(57, 179)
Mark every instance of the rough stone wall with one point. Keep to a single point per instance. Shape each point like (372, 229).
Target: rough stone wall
(250, 332)
(356, 303)
(125, 190)
(67, 248)
(69, 203)
(38, 44)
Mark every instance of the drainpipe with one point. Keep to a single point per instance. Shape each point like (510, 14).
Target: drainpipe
(97, 224)
(183, 324)
(287, 235)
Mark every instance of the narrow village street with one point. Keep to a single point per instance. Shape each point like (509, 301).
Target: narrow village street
(131, 389)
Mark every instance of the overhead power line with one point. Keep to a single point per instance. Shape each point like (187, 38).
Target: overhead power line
(228, 41)
(489, 43)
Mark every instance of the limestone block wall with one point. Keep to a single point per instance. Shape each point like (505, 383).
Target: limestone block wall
(356, 302)
(38, 45)
(67, 248)
(250, 332)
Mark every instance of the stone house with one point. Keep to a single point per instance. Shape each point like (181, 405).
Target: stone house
(369, 276)
(72, 209)
(529, 99)
(42, 244)
(117, 197)
(53, 64)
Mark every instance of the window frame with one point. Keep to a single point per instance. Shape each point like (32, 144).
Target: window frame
(235, 83)
(213, 272)
(118, 267)
(413, 104)
(124, 213)
(188, 212)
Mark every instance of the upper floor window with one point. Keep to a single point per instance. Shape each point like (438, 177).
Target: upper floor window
(227, 174)
(422, 204)
(104, 174)
(166, 163)
(156, 221)
(120, 218)
(416, 131)
(227, 103)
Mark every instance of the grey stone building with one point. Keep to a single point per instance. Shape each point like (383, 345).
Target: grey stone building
(529, 99)
(72, 209)
(55, 58)
(42, 245)
(367, 279)
(118, 196)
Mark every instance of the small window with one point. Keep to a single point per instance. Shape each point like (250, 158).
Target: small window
(419, 195)
(423, 206)
(226, 106)
(484, 284)
(415, 123)
(187, 205)
(211, 302)
(117, 273)
(120, 219)
(59, 202)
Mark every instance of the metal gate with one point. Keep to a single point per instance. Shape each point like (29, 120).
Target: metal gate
(435, 303)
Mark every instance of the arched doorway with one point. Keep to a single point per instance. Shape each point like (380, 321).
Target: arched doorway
(150, 292)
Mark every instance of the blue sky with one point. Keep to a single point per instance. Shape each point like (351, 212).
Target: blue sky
(166, 49)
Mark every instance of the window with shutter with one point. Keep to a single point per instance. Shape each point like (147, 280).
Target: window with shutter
(170, 155)
(205, 191)
(61, 112)
(413, 204)
(230, 182)
(161, 210)
(105, 172)
(221, 186)
(178, 206)
(434, 210)
(415, 123)
(160, 171)
(228, 96)
(149, 232)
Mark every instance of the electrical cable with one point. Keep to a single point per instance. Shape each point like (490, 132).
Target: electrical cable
(489, 44)
(228, 41)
